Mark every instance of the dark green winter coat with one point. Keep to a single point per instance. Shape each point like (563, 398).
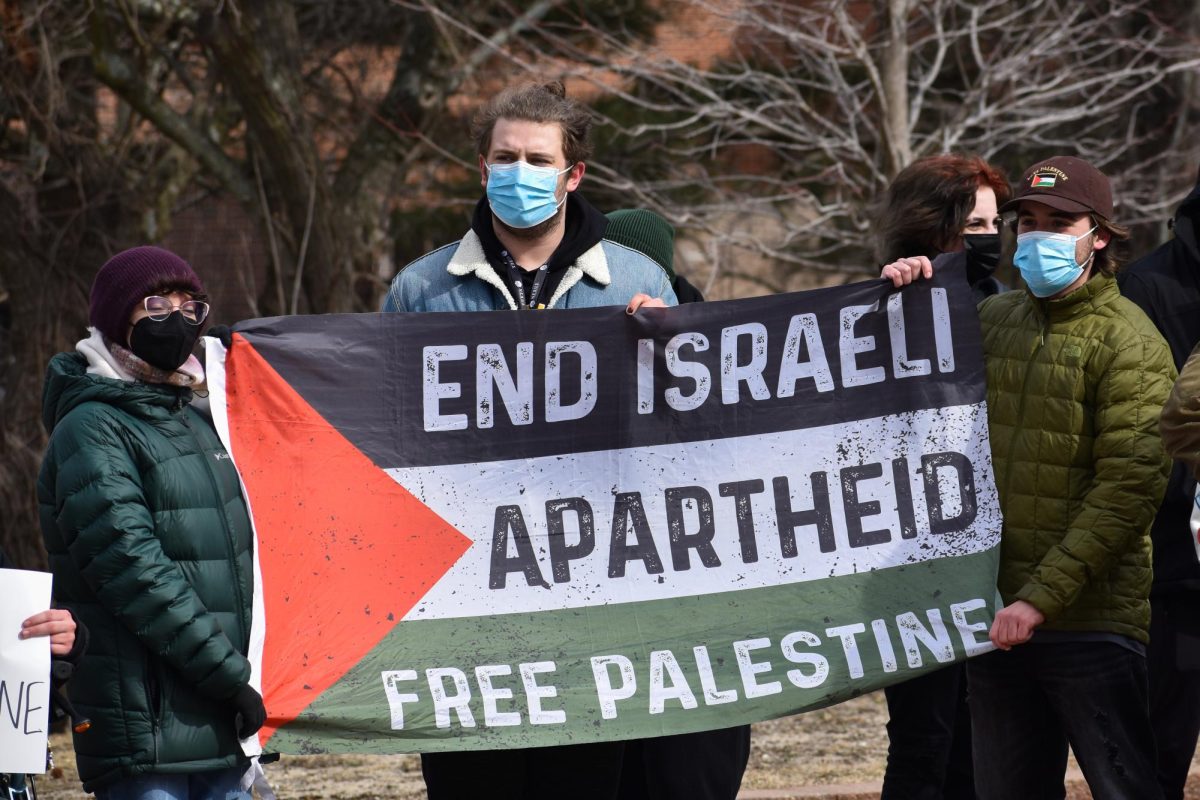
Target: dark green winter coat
(1075, 389)
(150, 545)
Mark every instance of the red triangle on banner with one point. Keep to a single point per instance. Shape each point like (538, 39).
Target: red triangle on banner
(345, 551)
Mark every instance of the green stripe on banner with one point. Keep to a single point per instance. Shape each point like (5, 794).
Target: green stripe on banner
(643, 669)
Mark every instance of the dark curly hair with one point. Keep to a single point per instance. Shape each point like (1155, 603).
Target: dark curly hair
(926, 206)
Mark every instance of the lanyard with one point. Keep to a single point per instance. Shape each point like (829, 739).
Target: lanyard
(518, 278)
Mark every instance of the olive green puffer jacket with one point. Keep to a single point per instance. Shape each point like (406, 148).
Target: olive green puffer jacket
(1075, 389)
(149, 542)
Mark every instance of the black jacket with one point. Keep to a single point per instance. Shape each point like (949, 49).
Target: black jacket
(1166, 285)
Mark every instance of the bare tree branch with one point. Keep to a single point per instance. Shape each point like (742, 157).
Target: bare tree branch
(120, 76)
(838, 96)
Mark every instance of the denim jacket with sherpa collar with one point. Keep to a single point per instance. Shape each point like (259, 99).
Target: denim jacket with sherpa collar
(458, 277)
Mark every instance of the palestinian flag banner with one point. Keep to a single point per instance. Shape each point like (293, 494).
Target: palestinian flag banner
(511, 529)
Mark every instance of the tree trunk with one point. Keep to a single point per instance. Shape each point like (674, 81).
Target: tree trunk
(254, 47)
(56, 218)
(895, 86)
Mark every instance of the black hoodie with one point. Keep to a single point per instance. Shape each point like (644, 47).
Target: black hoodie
(584, 228)
(1166, 285)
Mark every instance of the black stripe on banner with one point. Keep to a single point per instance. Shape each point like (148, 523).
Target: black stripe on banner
(406, 388)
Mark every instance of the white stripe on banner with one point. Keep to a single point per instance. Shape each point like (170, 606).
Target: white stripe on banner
(692, 496)
(215, 356)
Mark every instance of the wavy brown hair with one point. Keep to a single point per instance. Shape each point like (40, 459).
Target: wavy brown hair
(1110, 260)
(537, 102)
(926, 206)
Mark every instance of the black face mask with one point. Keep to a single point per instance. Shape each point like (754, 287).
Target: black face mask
(166, 344)
(983, 254)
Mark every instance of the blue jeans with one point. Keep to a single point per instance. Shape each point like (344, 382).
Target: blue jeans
(1029, 702)
(219, 785)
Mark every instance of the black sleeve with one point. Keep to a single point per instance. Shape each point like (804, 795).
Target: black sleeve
(686, 292)
(1136, 288)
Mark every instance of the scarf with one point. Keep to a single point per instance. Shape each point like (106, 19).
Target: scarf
(110, 360)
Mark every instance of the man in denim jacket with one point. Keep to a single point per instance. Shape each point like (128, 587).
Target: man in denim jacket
(534, 244)
(534, 241)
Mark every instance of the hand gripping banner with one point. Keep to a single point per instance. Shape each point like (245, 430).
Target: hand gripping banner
(513, 529)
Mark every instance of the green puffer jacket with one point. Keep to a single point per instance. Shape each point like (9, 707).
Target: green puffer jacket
(150, 545)
(1075, 389)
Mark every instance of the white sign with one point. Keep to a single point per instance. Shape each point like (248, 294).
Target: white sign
(24, 673)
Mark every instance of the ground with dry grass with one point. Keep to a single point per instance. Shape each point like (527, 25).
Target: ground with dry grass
(836, 753)
(844, 744)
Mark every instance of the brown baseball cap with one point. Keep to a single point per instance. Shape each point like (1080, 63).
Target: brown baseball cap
(1067, 184)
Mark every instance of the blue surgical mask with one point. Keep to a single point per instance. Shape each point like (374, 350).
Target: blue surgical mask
(1047, 261)
(523, 195)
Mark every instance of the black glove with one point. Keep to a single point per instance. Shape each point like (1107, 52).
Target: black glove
(250, 711)
(223, 333)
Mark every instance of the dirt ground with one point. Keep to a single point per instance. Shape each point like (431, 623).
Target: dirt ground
(836, 753)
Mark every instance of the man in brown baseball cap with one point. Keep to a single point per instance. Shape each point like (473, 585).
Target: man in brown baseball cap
(1077, 377)
(1059, 199)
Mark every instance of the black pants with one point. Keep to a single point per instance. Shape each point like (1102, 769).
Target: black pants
(1028, 703)
(580, 772)
(1173, 660)
(688, 766)
(929, 738)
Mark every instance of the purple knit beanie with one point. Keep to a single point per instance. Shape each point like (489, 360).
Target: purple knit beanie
(128, 277)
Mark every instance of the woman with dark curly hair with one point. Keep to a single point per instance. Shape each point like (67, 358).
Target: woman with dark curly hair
(946, 204)
(942, 206)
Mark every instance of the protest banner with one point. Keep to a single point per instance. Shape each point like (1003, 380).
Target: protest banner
(507, 529)
(24, 673)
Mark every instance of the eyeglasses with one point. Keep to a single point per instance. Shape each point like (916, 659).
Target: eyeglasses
(159, 308)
